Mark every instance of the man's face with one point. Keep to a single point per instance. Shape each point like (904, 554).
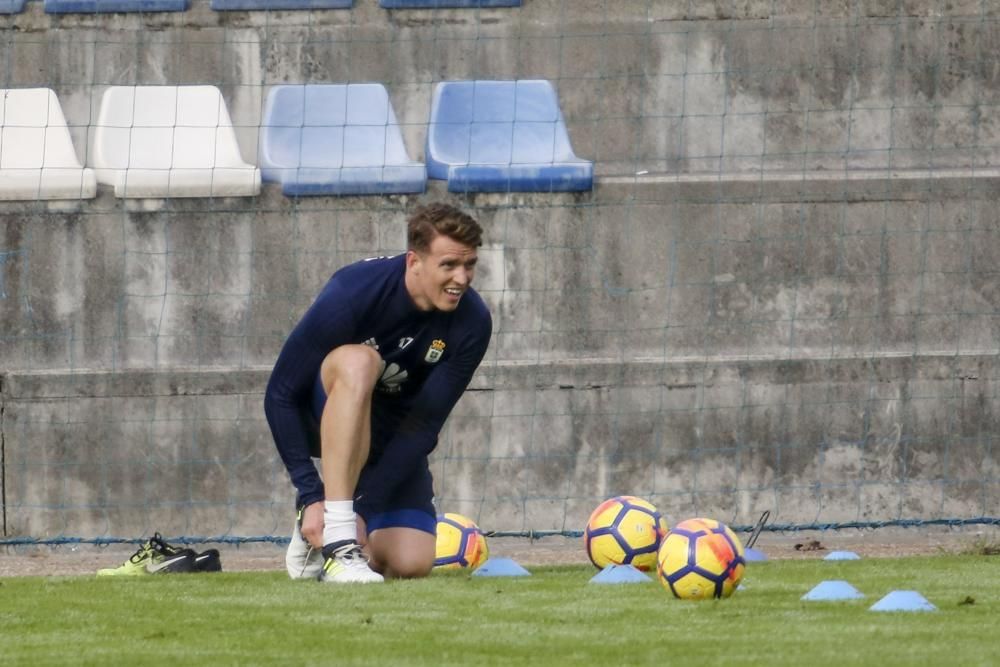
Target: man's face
(437, 279)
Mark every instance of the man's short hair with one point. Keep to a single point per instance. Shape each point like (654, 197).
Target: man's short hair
(428, 221)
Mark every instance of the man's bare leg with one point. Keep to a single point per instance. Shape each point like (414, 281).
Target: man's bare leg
(402, 553)
(349, 374)
(398, 552)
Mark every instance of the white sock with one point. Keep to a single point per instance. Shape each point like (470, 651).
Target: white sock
(339, 521)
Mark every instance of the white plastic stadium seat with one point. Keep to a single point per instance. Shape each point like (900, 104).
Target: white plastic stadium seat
(37, 159)
(169, 141)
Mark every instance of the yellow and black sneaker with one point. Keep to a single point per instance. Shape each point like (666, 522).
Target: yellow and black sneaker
(208, 561)
(154, 557)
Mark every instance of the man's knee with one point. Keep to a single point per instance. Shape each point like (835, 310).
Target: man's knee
(351, 367)
(402, 553)
(406, 566)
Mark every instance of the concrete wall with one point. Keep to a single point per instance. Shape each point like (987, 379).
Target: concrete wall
(767, 302)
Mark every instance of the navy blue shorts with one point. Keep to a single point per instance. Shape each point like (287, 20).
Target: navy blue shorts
(410, 505)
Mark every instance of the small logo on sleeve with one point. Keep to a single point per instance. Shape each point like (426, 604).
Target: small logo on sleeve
(435, 351)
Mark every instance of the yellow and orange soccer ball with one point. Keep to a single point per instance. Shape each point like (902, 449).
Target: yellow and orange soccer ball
(460, 543)
(700, 559)
(624, 530)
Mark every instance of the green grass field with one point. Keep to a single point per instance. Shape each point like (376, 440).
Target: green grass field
(553, 617)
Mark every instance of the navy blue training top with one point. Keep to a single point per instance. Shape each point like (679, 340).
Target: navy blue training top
(430, 357)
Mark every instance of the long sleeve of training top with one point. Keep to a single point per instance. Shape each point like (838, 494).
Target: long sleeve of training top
(329, 323)
(430, 358)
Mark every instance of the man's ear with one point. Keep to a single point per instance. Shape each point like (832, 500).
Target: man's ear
(412, 259)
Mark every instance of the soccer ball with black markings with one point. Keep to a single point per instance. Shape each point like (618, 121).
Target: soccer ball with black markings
(700, 559)
(624, 530)
(460, 543)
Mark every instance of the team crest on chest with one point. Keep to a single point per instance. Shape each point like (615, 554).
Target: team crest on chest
(435, 351)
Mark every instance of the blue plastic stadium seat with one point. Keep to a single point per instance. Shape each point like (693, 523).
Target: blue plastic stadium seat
(238, 5)
(502, 136)
(436, 4)
(11, 6)
(335, 139)
(111, 6)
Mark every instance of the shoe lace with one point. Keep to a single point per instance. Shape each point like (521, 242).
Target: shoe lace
(140, 553)
(155, 543)
(159, 544)
(351, 554)
(305, 561)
